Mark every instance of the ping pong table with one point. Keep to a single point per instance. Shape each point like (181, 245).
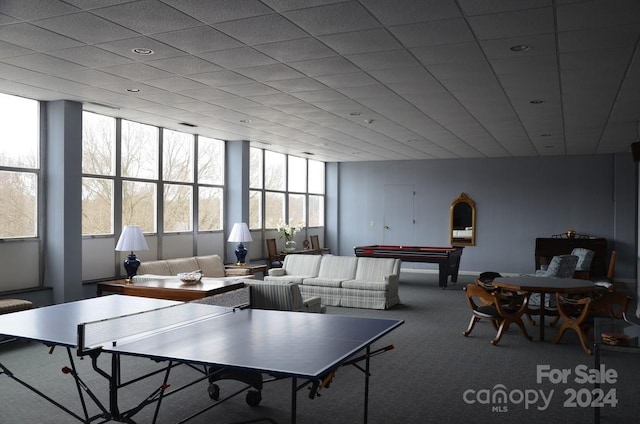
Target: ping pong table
(304, 347)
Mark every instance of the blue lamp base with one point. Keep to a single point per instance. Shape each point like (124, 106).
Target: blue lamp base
(241, 253)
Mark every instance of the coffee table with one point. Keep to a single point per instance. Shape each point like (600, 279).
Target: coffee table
(543, 285)
(170, 288)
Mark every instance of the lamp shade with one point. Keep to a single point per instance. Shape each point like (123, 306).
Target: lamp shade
(240, 233)
(131, 239)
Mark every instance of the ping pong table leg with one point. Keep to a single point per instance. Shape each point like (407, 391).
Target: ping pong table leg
(366, 385)
(294, 399)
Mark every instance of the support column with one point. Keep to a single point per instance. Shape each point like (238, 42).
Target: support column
(237, 200)
(63, 202)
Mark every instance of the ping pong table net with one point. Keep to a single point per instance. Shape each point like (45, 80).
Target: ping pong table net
(96, 334)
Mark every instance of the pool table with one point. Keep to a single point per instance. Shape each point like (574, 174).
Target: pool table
(447, 258)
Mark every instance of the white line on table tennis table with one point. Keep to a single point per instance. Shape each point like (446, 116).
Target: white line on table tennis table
(95, 334)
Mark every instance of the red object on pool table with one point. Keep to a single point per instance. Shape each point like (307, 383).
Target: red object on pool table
(447, 258)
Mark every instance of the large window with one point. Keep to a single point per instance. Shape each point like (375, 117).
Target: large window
(179, 173)
(19, 167)
(285, 188)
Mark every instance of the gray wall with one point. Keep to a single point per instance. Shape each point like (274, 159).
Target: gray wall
(517, 200)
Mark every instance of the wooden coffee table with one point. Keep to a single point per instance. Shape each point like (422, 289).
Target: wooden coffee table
(170, 289)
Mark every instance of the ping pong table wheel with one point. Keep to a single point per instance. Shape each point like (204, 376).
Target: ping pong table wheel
(214, 391)
(254, 397)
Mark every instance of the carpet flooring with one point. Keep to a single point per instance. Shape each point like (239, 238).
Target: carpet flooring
(433, 375)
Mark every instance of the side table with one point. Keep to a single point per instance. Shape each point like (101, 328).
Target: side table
(616, 326)
(249, 268)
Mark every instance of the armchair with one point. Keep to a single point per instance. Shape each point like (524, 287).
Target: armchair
(282, 296)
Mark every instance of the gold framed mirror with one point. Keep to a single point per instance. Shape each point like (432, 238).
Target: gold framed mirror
(463, 222)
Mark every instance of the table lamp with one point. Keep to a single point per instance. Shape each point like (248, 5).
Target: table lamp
(240, 234)
(131, 239)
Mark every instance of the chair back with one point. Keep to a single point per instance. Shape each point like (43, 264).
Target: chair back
(611, 304)
(611, 272)
(585, 257)
(561, 266)
(315, 242)
(274, 257)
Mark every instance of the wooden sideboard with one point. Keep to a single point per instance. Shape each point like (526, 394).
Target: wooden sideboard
(547, 248)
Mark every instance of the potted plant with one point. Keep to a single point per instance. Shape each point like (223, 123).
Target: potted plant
(288, 231)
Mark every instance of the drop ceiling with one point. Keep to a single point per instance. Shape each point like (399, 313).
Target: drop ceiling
(338, 81)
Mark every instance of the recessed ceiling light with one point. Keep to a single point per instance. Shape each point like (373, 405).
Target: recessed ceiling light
(355, 114)
(545, 135)
(133, 90)
(245, 121)
(536, 101)
(186, 124)
(308, 153)
(369, 121)
(142, 51)
(520, 48)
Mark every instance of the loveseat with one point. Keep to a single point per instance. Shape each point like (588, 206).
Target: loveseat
(210, 265)
(348, 281)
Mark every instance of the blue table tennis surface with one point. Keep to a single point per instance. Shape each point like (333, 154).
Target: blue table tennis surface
(287, 343)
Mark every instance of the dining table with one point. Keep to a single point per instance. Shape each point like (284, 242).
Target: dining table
(544, 285)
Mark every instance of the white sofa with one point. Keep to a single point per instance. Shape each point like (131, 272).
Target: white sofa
(348, 281)
(211, 266)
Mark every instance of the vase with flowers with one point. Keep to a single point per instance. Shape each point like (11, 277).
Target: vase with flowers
(288, 231)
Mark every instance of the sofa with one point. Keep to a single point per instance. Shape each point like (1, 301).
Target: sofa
(348, 281)
(211, 266)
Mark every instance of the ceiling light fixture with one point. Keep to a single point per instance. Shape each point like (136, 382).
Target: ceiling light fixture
(245, 121)
(545, 135)
(142, 51)
(520, 48)
(369, 121)
(186, 124)
(355, 114)
(133, 90)
(536, 101)
(308, 153)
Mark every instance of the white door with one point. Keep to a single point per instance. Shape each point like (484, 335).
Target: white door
(398, 222)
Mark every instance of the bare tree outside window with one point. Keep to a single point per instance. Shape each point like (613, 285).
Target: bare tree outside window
(210, 161)
(178, 208)
(274, 209)
(316, 211)
(98, 144)
(18, 214)
(19, 135)
(139, 150)
(139, 205)
(177, 156)
(255, 209)
(210, 213)
(97, 206)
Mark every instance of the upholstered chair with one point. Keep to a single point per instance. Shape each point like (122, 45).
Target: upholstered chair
(585, 257)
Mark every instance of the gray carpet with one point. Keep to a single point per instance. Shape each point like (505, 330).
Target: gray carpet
(423, 380)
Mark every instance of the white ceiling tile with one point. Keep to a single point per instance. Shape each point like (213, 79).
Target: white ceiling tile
(35, 9)
(221, 78)
(597, 14)
(90, 56)
(184, 65)
(384, 60)
(252, 89)
(296, 50)
(400, 12)
(273, 72)
(9, 50)
(451, 53)
(200, 39)
(147, 16)
(333, 18)
(242, 57)
(35, 38)
(296, 85)
(213, 11)
(125, 48)
(136, 71)
(433, 33)
(261, 29)
(513, 24)
(43, 63)
(487, 7)
(85, 27)
(176, 84)
(374, 40)
(324, 66)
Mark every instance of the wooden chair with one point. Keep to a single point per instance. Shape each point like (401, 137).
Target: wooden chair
(490, 306)
(578, 314)
(315, 245)
(275, 259)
